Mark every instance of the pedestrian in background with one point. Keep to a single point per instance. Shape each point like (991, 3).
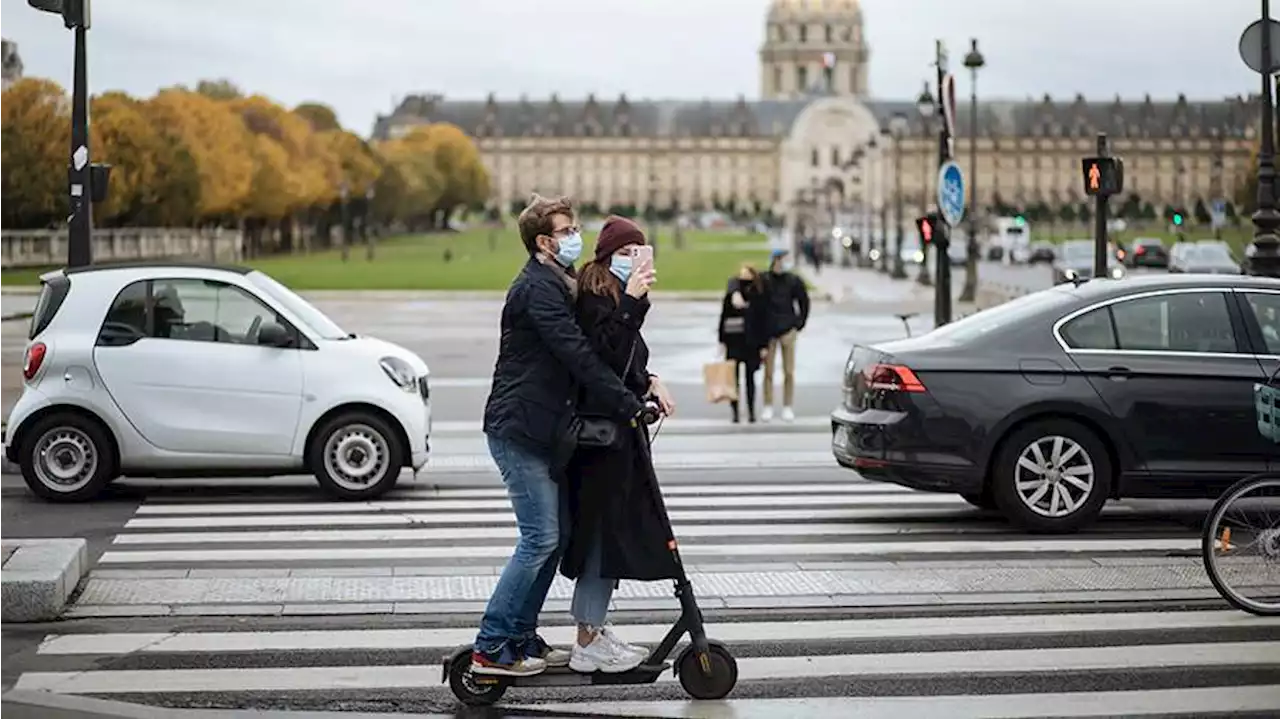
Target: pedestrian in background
(788, 303)
(745, 333)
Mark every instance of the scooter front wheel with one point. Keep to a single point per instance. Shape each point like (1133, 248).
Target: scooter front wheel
(472, 689)
(710, 678)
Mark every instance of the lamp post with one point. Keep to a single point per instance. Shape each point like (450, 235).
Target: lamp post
(898, 126)
(974, 61)
(1262, 256)
(927, 106)
(81, 175)
(886, 134)
(345, 233)
(871, 190)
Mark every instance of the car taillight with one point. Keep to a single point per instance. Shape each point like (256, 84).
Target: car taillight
(895, 378)
(32, 360)
(1141, 250)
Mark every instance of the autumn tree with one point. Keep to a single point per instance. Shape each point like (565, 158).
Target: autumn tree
(221, 89)
(35, 127)
(466, 182)
(321, 117)
(219, 144)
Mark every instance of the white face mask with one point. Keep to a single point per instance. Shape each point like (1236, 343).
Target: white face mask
(570, 249)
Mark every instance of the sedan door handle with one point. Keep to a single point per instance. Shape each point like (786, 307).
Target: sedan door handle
(1118, 374)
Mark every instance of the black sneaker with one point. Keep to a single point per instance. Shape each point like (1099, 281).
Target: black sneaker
(537, 648)
(505, 662)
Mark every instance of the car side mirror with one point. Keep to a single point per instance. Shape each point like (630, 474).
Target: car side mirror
(271, 334)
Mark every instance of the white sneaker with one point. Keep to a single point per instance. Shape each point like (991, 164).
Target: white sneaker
(607, 633)
(766, 415)
(788, 415)
(603, 655)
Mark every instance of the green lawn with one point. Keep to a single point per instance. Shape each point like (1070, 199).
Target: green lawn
(418, 262)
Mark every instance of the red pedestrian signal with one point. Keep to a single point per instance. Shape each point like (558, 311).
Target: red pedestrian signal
(924, 225)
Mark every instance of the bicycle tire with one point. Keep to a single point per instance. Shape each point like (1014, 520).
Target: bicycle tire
(1209, 535)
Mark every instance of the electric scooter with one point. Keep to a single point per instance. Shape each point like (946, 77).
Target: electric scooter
(705, 667)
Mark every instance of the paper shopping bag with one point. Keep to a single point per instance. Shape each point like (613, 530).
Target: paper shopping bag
(721, 381)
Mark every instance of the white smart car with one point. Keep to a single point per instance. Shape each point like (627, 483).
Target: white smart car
(163, 370)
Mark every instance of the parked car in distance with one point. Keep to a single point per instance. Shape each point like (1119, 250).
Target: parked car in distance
(1148, 252)
(1047, 406)
(1074, 262)
(1041, 251)
(1211, 257)
(162, 370)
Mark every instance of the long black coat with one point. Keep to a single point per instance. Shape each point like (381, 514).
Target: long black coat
(612, 494)
(754, 321)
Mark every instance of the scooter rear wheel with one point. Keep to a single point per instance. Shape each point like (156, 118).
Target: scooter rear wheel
(712, 685)
(473, 690)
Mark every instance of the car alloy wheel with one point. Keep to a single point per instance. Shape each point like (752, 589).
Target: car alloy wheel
(356, 456)
(1054, 476)
(65, 459)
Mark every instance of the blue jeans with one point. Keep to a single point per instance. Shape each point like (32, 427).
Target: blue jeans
(512, 613)
(592, 592)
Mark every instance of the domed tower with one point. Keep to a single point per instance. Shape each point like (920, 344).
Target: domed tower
(813, 47)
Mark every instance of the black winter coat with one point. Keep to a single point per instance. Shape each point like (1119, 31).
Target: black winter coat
(744, 332)
(788, 303)
(544, 361)
(612, 496)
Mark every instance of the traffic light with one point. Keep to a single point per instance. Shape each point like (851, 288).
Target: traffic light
(1177, 219)
(1102, 176)
(1020, 221)
(925, 226)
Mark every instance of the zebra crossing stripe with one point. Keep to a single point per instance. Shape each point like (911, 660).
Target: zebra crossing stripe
(1021, 662)
(815, 630)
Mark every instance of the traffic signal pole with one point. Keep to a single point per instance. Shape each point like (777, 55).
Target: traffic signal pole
(80, 236)
(942, 247)
(1100, 201)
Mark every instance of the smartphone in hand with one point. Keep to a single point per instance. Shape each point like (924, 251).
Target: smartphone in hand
(641, 255)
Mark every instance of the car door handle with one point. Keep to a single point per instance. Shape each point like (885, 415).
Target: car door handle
(1118, 374)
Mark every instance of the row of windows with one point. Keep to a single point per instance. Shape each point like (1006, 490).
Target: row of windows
(830, 33)
(1183, 322)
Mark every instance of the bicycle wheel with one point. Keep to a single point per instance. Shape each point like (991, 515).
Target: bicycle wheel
(1241, 545)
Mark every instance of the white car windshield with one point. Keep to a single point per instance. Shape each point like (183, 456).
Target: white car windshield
(1077, 251)
(300, 308)
(1212, 253)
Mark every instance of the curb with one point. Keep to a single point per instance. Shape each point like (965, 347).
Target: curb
(24, 703)
(39, 576)
(16, 316)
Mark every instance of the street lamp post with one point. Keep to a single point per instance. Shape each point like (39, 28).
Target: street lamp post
(974, 61)
(1262, 257)
(345, 233)
(927, 107)
(898, 125)
(364, 223)
(886, 134)
(80, 173)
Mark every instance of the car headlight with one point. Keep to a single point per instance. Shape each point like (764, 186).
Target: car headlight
(1117, 273)
(400, 372)
(1069, 274)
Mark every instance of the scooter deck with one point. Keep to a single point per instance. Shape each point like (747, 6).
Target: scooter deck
(564, 676)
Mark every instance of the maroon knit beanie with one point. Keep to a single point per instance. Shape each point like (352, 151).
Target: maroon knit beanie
(618, 232)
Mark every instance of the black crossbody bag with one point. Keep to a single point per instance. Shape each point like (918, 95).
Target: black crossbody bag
(598, 431)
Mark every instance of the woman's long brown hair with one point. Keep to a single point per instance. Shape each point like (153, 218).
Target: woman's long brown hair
(596, 278)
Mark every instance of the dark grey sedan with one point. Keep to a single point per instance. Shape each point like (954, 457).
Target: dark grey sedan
(1048, 406)
(1204, 257)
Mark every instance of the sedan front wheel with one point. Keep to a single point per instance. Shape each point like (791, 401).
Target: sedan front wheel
(1052, 476)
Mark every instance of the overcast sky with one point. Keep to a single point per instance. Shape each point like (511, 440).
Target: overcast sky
(360, 56)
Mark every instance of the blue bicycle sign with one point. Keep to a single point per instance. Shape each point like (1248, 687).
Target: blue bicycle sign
(951, 193)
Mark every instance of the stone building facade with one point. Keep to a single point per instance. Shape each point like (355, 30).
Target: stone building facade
(10, 62)
(816, 132)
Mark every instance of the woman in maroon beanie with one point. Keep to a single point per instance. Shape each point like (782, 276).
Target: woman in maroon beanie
(616, 532)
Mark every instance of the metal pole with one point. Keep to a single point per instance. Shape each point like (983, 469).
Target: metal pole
(970, 290)
(1265, 259)
(80, 231)
(942, 252)
(923, 276)
(899, 272)
(1100, 220)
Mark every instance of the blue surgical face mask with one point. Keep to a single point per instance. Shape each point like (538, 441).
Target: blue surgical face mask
(570, 249)
(620, 266)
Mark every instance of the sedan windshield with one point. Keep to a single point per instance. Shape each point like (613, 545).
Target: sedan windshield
(306, 312)
(1077, 251)
(1213, 253)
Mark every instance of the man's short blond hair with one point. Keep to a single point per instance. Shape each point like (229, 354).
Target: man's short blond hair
(535, 219)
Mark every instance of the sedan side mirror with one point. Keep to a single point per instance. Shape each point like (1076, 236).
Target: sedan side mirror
(271, 334)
